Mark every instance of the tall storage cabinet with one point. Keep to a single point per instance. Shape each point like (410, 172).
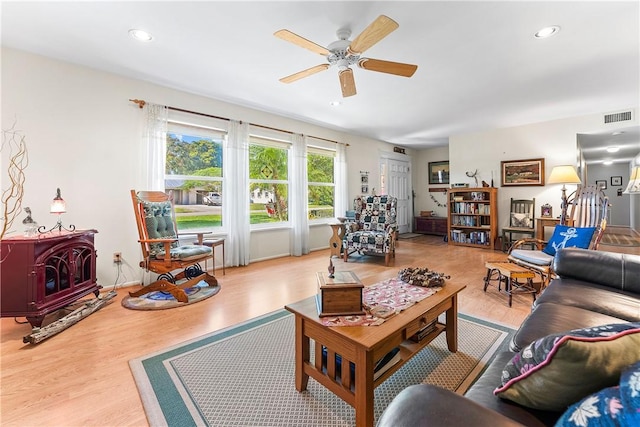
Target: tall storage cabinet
(473, 216)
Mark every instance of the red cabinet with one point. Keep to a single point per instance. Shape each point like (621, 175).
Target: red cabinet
(41, 274)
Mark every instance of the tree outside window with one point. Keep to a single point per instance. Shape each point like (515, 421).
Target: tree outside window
(268, 181)
(194, 176)
(320, 177)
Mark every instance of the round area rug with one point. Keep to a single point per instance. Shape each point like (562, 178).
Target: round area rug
(162, 300)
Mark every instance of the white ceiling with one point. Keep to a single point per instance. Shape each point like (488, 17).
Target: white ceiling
(479, 66)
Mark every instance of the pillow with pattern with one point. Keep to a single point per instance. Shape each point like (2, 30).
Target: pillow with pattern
(613, 406)
(520, 220)
(558, 370)
(569, 237)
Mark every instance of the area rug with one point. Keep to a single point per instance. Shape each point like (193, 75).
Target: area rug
(244, 376)
(615, 239)
(162, 300)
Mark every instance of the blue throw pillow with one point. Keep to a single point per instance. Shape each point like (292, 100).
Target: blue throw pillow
(569, 237)
(613, 406)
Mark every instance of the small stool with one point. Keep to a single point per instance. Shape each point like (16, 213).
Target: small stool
(509, 273)
(212, 243)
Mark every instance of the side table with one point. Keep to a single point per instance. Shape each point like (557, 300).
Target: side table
(335, 242)
(541, 223)
(509, 273)
(213, 243)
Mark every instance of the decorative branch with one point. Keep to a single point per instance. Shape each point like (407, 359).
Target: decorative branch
(14, 142)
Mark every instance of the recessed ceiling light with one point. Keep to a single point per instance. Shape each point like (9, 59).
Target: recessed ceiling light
(547, 32)
(619, 132)
(613, 149)
(140, 35)
(607, 162)
(335, 103)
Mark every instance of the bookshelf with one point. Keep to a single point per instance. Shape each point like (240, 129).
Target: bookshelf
(473, 216)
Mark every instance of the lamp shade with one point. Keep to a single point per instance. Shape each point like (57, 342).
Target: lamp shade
(58, 205)
(634, 182)
(564, 174)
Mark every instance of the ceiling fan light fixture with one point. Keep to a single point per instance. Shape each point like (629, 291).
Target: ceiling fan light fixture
(545, 32)
(140, 35)
(613, 149)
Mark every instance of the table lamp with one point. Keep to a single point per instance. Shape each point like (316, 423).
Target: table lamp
(58, 207)
(564, 174)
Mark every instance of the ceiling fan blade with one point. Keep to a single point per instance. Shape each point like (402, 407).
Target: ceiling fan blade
(304, 73)
(376, 31)
(347, 83)
(301, 41)
(397, 68)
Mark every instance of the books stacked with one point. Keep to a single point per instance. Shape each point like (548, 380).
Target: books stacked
(424, 331)
(381, 366)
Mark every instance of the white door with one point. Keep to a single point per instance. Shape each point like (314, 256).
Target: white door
(398, 184)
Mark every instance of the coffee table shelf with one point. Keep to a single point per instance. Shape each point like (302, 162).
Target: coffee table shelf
(362, 346)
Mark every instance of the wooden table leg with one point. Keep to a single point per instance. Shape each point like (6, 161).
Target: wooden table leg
(452, 325)
(302, 355)
(364, 389)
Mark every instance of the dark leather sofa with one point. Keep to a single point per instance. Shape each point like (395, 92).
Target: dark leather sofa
(594, 288)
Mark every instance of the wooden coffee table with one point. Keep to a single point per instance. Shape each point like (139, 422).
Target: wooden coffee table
(362, 346)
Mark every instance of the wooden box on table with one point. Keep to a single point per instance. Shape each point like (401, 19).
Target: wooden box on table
(340, 295)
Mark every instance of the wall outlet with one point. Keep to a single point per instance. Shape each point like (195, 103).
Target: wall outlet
(117, 257)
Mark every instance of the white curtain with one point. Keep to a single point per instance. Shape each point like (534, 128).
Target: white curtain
(154, 141)
(342, 190)
(298, 198)
(236, 193)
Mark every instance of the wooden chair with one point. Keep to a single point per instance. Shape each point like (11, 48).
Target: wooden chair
(521, 222)
(588, 208)
(162, 254)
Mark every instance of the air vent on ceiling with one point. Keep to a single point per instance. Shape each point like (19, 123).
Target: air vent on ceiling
(619, 116)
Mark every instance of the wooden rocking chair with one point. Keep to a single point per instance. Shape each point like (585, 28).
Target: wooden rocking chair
(161, 251)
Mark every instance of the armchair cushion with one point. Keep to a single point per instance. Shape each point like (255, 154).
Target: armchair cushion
(532, 257)
(185, 252)
(158, 220)
(520, 220)
(569, 237)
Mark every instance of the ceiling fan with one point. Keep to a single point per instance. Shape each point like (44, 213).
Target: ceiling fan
(344, 53)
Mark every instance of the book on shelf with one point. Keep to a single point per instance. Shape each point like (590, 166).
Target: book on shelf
(424, 331)
(382, 365)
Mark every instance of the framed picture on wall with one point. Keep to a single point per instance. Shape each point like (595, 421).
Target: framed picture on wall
(522, 172)
(438, 172)
(602, 184)
(616, 180)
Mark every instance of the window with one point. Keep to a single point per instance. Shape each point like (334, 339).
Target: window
(321, 182)
(268, 180)
(193, 174)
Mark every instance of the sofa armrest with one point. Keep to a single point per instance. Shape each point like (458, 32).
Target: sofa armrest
(428, 405)
(619, 271)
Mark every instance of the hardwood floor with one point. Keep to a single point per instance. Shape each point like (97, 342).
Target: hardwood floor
(81, 376)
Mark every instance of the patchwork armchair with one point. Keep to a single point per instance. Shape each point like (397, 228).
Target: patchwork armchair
(373, 231)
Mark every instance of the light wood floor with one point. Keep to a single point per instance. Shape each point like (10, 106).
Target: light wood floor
(81, 376)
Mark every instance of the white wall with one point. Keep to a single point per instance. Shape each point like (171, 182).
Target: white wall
(83, 136)
(619, 211)
(555, 141)
(423, 200)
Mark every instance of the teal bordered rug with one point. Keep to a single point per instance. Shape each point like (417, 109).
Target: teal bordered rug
(244, 376)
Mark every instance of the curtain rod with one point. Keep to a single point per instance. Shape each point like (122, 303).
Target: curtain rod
(141, 103)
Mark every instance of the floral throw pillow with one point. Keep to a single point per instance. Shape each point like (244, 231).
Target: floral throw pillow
(613, 406)
(558, 370)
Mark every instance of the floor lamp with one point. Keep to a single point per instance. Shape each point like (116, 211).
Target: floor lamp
(564, 174)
